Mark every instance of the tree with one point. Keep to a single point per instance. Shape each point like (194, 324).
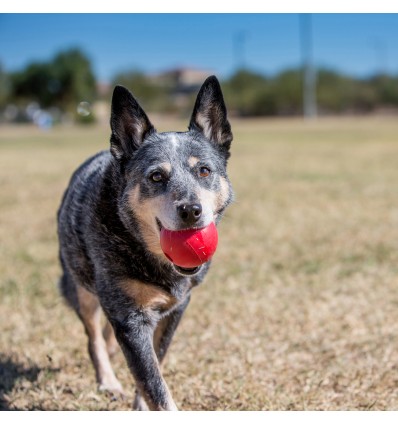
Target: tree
(386, 87)
(288, 92)
(63, 82)
(5, 86)
(33, 84)
(252, 94)
(73, 80)
(154, 96)
(246, 93)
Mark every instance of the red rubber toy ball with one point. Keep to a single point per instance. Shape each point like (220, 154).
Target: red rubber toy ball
(189, 248)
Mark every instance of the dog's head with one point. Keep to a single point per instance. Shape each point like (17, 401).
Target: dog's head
(176, 180)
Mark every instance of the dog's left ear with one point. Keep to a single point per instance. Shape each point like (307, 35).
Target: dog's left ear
(129, 124)
(210, 114)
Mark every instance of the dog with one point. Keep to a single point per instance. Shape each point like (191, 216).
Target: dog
(109, 225)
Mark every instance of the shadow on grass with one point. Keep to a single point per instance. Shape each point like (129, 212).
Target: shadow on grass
(13, 373)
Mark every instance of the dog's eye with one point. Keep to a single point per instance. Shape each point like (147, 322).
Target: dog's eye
(156, 177)
(204, 172)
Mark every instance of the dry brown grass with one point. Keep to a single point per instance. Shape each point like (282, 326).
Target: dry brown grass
(300, 309)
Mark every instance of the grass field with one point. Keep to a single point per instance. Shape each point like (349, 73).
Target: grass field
(299, 311)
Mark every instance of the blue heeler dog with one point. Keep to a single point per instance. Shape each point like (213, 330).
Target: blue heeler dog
(109, 225)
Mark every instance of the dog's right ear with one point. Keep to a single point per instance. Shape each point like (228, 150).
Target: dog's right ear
(210, 114)
(129, 124)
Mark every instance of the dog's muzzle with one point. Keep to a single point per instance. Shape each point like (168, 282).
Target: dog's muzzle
(187, 272)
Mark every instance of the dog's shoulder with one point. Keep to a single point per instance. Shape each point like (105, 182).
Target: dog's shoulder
(91, 170)
(84, 182)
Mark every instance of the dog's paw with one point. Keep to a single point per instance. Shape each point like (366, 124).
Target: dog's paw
(114, 388)
(139, 403)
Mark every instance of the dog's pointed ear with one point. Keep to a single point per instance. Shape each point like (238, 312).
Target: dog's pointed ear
(209, 115)
(129, 124)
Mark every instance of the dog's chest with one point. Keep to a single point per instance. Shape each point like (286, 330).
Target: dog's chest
(152, 298)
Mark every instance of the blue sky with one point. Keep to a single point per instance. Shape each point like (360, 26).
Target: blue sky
(357, 44)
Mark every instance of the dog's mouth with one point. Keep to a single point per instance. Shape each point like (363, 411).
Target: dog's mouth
(187, 272)
(181, 270)
(159, 224)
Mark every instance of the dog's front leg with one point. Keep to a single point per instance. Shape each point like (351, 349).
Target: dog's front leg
(165, 329)
(162, 338)
(135, 336)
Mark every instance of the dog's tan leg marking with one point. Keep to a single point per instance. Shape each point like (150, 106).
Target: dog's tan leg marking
(111, 343)
(90, 314)
(160, 328)
(139, 402)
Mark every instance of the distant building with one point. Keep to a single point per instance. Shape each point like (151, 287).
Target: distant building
(183, 80)
(181, 84)
(103, 89)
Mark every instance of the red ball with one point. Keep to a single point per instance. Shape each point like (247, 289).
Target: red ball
(189, 248)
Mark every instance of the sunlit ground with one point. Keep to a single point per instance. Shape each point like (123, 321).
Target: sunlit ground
(299, 311)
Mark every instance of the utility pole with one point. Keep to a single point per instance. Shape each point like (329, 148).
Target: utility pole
(309, 74)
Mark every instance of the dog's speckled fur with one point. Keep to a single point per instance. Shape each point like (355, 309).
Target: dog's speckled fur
(109, 225)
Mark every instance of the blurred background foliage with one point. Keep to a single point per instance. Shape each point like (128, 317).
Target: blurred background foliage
(61, 84)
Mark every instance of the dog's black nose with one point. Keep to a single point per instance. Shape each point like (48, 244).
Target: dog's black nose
(190, 213)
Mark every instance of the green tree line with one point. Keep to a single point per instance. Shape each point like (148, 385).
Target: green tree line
(61, 83)
(249, 93)
(68, 79)
(252, 94)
